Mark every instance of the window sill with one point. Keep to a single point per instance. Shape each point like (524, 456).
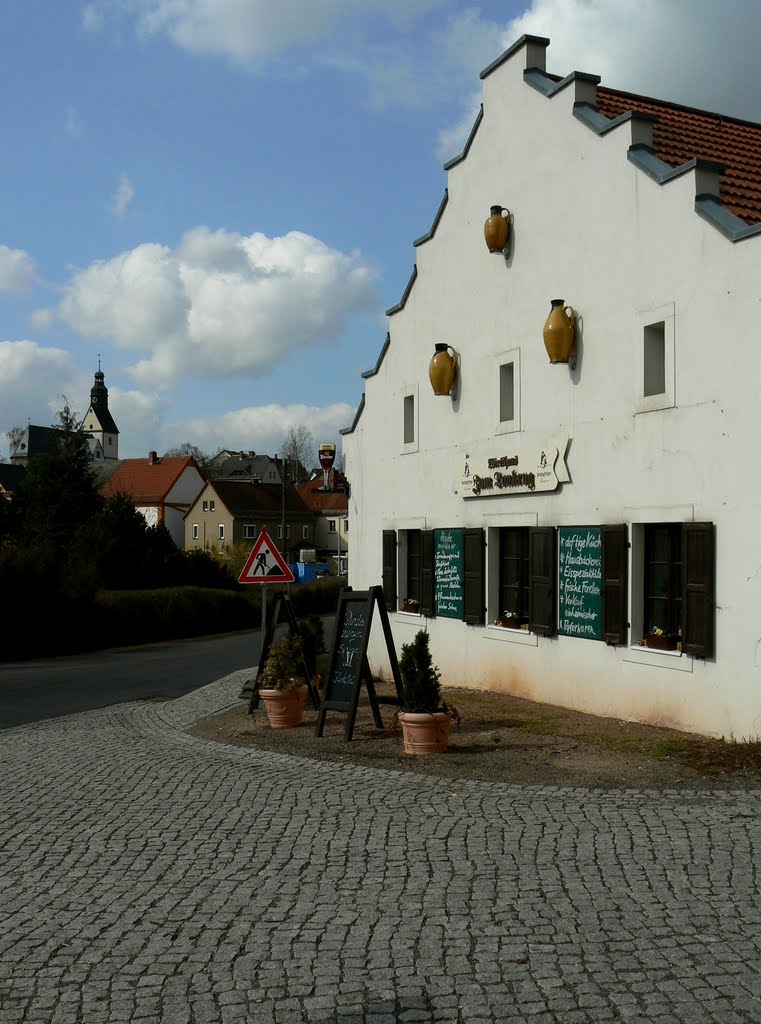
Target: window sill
(639, 655)
(512, 636)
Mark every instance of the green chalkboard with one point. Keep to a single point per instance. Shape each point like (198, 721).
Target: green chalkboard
(447, 572)
(580, 581)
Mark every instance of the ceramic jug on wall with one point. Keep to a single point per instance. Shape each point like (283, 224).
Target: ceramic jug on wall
(560, 331)
(442, 370)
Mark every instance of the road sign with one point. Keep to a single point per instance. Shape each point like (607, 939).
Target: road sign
(265, 564)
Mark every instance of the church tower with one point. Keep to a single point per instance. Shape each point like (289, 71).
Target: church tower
(98, 421)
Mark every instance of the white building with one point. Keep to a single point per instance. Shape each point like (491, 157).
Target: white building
(606, 499)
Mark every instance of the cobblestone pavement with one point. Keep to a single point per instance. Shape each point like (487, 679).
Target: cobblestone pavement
(148, 876)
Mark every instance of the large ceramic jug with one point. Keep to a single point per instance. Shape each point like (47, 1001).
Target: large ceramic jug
(442, 369)
(560, 331)
(497, 229)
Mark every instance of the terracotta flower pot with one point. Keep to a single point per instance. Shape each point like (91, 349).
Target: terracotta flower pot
(425, 733)
(284, 708)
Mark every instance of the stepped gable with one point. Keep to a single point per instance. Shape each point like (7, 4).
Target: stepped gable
(684, 133)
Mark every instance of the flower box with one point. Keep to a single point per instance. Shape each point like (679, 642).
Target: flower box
(661, 643)
(511, 622)
(412, 607)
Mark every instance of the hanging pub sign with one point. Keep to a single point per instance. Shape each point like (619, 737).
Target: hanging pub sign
(505, 470)
(580, 581)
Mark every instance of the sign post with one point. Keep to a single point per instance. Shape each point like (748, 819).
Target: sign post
(265, 564)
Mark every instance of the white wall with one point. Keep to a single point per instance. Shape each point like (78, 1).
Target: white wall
(591, 228)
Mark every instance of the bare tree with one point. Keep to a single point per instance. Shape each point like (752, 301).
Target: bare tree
(202, 459)
(300, 450)
(14, 436)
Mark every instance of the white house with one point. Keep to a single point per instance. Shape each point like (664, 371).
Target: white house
(557, 521)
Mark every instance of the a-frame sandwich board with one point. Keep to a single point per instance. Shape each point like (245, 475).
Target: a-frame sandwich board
(349, 667)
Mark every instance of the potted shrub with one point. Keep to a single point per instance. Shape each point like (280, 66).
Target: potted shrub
(281, 682)
(424, 717)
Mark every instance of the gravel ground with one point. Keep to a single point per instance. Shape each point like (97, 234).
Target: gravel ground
(509, 739)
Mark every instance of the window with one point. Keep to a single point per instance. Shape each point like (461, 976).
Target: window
(206, 506)
(409, 419)
(195, 531)
(663, 580)
(304, 532)
(280, 532)
(507, 373)
(249, 531)
(654, 341)
(655, 359)
(331, 526)
(346, 525)
(413, 590)
(513, 576)
(212, 506)
(506, 392)
(221, 531)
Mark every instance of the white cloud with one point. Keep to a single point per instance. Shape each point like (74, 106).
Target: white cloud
(140, 417)
(41, 319)
(262, 428)
(695, 52)
(74, 125)
(221, 304)
(125, 193)
(252, 31)
(32, 378)
(17, 270)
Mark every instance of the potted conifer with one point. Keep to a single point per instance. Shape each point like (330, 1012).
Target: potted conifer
(281, 682)
(424, 716)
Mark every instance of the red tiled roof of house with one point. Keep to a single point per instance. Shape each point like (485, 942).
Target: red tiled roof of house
(325, 502)
(147, 482)
(683, 133)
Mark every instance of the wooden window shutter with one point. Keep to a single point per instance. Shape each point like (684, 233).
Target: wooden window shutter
(542, 580)
(473, 577)
(699, 600)
(427, 583)
(389, 569)
(615, 584)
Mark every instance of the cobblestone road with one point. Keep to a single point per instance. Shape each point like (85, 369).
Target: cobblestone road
(147, 876)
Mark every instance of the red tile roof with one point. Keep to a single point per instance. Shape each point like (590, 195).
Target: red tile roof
(325, 502)
(147, 483)
(683, 133)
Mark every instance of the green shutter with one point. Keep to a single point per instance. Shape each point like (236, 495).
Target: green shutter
(389, 569)
(473, 577)
(542, 580)
(428, 594)
(615, 584)
(698, 599)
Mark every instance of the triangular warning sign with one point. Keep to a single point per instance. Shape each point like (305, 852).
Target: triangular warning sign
(265, 563)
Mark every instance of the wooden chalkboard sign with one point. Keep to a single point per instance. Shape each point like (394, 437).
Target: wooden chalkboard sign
(282, 603)
(580, 581)
(447, 573)
(348, 661)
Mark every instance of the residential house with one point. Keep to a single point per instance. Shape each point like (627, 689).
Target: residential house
(10, 477)
(331, 511)
(162, 489)
(576, 523)
(245, 466)
(234, 511)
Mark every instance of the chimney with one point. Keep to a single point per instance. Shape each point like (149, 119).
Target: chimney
(152, 458)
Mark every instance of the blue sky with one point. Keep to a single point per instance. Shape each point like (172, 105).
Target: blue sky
(220, 197)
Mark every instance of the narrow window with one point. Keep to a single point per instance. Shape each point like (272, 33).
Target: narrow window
(331, 526)
(221, 531)
(206, 506)
(304, 532)
(654, 342)
(409, 419)
(414, 587)
(663, 580)
(195, 531)
(280, 532)
(507, 392)
(513, 576)
(212, 506)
